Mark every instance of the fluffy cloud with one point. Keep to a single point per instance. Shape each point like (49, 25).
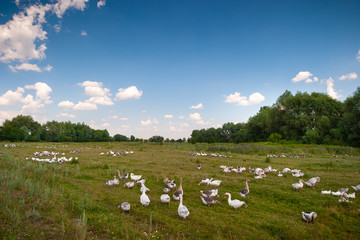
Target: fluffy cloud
(330, 89)
(19, 35)
(22, 38)
(83, 33)
(62, 5)
(113, 117)
(181, 117)
(196, 118)
(145, 123)
(105, 125)
(148, 122)
(358, 56)
(199, 106)
(254, 98)
(42, 91)
(124, 119)
(12, 98)
(32, 106)
(128, 93)
(101, 3)
(350, 76)
(168, 116)
(66, 115)
(25, 67)
(98, 94)
(48, 68)
(66, 104)
(85, 106)
(304, 76)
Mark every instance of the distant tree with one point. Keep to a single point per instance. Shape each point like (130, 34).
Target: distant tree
(156, 139)
(120, 138)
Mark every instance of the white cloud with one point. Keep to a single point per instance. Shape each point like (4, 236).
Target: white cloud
(62, 5)
(42, 91)
(350, 76)
(83, 33)
(128, 93)
(12, 98)
(254, 98)
(22, 38)
(124, 119)
(48, 68)
(94, 89)
(98, 94)
(358, 56)
(330, 89)
(101, 3)
(66, 115)
(85, 106)
(196, 118)
(113, 117)
(168, 116)
(199, 106)
(181, 117)
(6, 115)
(57, 27)
(105, 125)
(66, 104)
(25, 67)
(125, 126)
(304, 76)
(32, 106)
(145, 123)
(19, 35)
(104, 100)
(155, 121)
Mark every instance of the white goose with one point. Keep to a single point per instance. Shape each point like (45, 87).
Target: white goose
(308, 216)
(144, 199)
(116, 181)
(125, 206)
(144, 188)
(135, 177)
(312, 181)
(204, 180)
(110, 182)
(299, 185)
(182, 210)
(165, 198)
(235, 203)
(129, 184)
(166, 189)
(215, 183)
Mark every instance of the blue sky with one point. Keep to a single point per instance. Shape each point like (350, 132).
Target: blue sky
(147, 68)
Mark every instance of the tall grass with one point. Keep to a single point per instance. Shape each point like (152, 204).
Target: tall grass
(70, 201)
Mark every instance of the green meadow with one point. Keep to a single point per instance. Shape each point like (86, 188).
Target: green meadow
(42, 200)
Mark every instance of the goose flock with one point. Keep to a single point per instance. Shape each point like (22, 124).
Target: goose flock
(208, 197)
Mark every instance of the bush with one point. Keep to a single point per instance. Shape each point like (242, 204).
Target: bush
(274, 137)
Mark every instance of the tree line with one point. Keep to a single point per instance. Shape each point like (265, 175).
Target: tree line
(302, 118)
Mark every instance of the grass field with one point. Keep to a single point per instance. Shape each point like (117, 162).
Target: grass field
(70, 200)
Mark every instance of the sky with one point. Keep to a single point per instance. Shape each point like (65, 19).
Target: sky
(165, 68)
